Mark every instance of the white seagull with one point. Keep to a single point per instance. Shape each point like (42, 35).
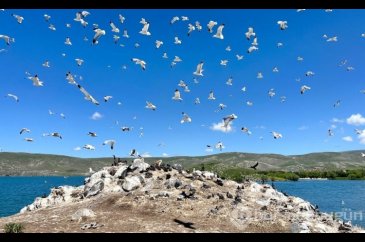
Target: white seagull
(88, 147)
(276, 135)
(125, 34)
(142, 63)
(55, 134)
(210, 26)
(18, 18)
(211, 96)
(87, 95)
(46, 17)
(250, 33)
(246, 130)
(219, 146)
(252, 48)
(70, 78)
(177, 59)
(177, 41)
(150, 106)
(239, 57)
(197, 101)
(144, 30)
(92, 134)
(79, 61)
(191, 29)
(199, 69)
(185, 118)
(13, 96)
(98, 34)
(177, 95)
(46, 64)
(114, 28)
(219, 33)
(24, 130)
(304, 88)
(107, 98)
(158, 43)
(29, 139)
(228, 119)
(121, 18)
(283, 24)
(174, 19)
(68, 41)
(224, 62)
(109, 142)
(7, 39)
(254, 42)
(36, 81)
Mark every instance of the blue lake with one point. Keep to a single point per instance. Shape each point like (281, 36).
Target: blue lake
(17, 192)
(345, 198)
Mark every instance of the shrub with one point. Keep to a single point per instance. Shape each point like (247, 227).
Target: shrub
(13, 228)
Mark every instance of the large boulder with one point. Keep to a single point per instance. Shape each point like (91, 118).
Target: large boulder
(94, 189)
(132, 183)
(139, 164)
(82, 213)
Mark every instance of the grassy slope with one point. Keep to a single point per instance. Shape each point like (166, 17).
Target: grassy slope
(42, 164)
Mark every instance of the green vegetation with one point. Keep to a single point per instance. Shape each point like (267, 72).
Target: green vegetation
(234, 165)
(240, 174)
(13, 228)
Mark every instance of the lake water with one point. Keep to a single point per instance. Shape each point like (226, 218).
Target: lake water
(17, 192)
(345, 198)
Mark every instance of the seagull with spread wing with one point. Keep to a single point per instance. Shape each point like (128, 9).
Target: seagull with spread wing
(87, 95)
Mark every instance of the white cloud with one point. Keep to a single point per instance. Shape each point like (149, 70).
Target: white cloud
(347, 138)
(165, 155)
(208, 150)
(356, 119)
(220, 127)
(96, 116)
(333, 126)
(260, 127)
(336, 120)
(361, 137)
(77, 148)
(146, 154)
(303, 127)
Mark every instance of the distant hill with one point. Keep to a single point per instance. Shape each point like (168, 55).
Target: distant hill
(26, 164)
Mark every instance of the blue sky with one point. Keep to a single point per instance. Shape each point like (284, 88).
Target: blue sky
(303, 120)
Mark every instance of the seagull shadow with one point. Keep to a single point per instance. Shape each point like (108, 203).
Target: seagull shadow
(185, 224)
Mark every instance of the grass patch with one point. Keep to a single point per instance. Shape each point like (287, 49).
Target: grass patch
(13, 228)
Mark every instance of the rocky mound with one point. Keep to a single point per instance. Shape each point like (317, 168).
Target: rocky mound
(161, 198)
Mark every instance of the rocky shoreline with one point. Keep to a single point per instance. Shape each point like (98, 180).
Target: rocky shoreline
(165, 198)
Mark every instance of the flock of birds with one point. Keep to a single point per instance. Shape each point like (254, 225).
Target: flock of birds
(217, 31)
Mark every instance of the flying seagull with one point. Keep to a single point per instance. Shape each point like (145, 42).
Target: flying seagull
(109, 142)
(210, 26)
(70, 78)
(177, 95)
(114, 28)
(29, 139)
(7, 39)
(133, 152)
(68, 41)
(88, 147)
(92, 134)
(24, 130)
(98, 34)
(87, 95)
(79, 61)
(185, 119)
(36, 81)
(304, 88)
(199, 69)
(191, 29)
(144, 30)
(228, 119)
(107, 98)
(219, 33)
(250, 33)
(219, 146)
(13, 96)
(255, 165)
(142, 63)
(55, 134)
(282, 24)
(174, 19)
(276, 135)
(150, 106)
(246, 130)
(18, 18)
(211, 96)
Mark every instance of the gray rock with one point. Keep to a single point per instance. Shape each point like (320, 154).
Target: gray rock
(82, 213)
(120, 171)
(140, 165)
(131, 183)
(94, 190)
